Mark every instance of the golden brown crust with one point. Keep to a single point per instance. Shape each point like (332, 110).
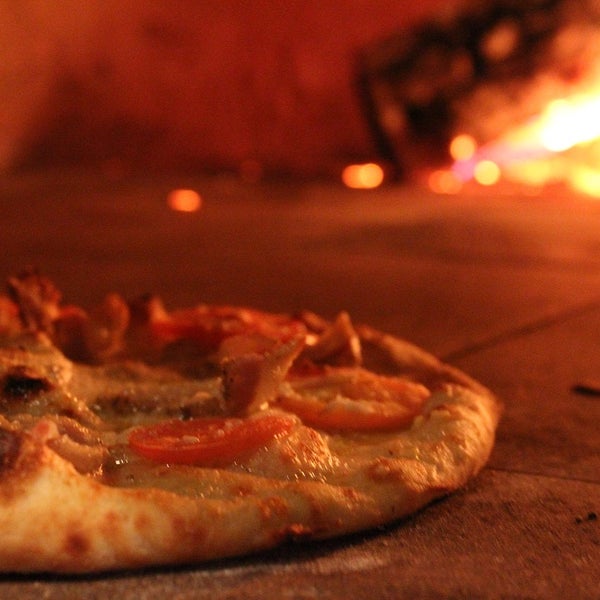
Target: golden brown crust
(309, 485)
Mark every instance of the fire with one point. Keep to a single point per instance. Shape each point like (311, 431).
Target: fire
(560, 145)
(566, 123)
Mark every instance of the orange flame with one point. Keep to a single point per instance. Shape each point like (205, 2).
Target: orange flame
(562, 144)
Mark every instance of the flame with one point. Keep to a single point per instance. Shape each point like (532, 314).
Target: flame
(566, 123)
(560, 145)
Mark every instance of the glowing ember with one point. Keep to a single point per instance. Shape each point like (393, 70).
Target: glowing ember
(561, 145)
(365, 176)
(184, 200)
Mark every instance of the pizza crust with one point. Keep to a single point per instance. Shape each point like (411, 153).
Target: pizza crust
(55, 519)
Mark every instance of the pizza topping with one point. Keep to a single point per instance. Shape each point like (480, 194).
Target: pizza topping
(96, 336)
(146, 309)
(354, 399)
(338, 344)
(251, 380)
(208, 326)
(37, 298)
(104, 331)
(10, 323)
(132, 393)
(85, 458)
(239, 345)
(71, 442)
(10, 443)
(127, 408)
(208, 441)
(33, 356)
(68, 333)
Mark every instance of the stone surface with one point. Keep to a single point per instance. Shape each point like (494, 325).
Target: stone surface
(508, 288)
(548, 427)
(507, 535)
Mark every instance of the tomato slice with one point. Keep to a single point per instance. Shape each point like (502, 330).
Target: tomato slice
(354, 400)
(361, 415)
(208, 325)
(208, 441)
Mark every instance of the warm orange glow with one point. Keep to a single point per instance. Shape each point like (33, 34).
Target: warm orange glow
(586, 180)
(560, 145)
(184, 200)
(462, 147)
(566, 123)
(486, 172)
(535, 173)
(365, 176)
(444, 182)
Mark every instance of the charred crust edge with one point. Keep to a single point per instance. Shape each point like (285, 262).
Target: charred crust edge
(21, 382)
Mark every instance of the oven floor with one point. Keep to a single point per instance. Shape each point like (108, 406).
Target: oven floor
(504, 286)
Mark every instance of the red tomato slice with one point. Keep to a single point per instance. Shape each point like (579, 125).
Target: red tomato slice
(208, 441)
(354, 400)
(208, 326)
(356, 415)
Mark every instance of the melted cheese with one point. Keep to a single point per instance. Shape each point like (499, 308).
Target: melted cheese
(91, 409)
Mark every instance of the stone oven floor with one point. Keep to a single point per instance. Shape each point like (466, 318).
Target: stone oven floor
(504, 286)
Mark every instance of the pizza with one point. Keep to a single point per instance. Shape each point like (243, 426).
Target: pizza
(132, 435)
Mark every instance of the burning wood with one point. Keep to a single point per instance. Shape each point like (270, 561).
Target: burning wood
(488, 75)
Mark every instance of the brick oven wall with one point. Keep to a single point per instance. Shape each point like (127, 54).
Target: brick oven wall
(187, 84)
